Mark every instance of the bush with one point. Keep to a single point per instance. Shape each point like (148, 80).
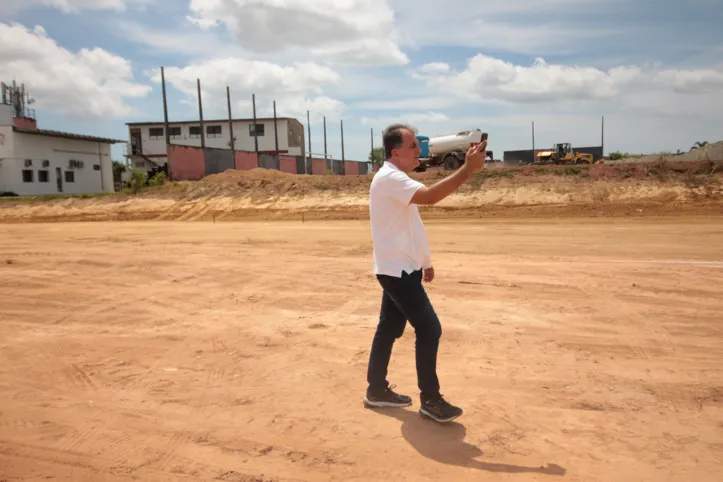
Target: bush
(137, 180)
(158, 179)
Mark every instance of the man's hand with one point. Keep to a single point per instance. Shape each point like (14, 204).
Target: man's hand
(428, 275)
(476, 157)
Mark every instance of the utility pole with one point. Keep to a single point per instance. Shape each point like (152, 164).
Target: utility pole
(230, 118)
(276, 131)
(200, 113)
(342, 141)
(165, 124)
(533, 142)
(325, 151)
(256, 137)
(308, 130)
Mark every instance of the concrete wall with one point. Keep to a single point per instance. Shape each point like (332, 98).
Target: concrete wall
(337, 167)
(25, 123)
(244, 141)
(351, 168)
(318, 166)
(6, 115)
(51, 157)
(218, 160)
(6, 155)
(269, 161)
(187, 163)
(245, 161)
(288, 164)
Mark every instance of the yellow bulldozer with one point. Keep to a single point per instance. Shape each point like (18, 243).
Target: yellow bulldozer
(564, 154)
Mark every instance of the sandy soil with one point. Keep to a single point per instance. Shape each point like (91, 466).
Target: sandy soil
(585, 350)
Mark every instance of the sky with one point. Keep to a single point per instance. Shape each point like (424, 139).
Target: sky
(652, 68)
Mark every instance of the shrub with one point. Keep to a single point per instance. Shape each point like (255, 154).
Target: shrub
(137, 180)
(158, 179)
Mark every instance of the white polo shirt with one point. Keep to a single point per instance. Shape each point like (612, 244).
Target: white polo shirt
(400, 240)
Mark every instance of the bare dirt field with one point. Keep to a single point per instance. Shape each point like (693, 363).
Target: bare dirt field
(581, 350)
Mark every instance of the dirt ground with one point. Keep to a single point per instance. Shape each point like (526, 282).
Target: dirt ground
(581, 350)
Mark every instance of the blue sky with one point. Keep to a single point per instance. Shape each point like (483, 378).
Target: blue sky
(654, 69)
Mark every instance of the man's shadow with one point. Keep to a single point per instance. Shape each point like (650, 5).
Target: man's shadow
(444, 443)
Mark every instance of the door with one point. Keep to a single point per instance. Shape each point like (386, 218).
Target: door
(59, 178)
(136, 146)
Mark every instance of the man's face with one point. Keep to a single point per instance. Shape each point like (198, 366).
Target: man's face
(407, 155)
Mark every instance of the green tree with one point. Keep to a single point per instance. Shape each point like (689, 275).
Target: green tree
(699, 144)
(376, 156)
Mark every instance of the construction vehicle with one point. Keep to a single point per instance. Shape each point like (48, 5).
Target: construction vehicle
(448, 150)
(564, 154)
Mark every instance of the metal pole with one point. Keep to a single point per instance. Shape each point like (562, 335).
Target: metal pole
(602, 138)
(533, 142)
(276, 132)
(200, 113)
(372, 151)
(165, 118)
(342, 141)
(308, 129)
(325, 156)
(256, 137)
(230, 118)
(165, 106)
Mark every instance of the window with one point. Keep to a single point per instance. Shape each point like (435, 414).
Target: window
(73, 164)
(194, 132)
(96, 167)
(28, 162)
(213, 131)
(46, 163)
(43, 176)
(174, 132)
(28, 175)
(256, 130)
(155, 132)
(69, 176)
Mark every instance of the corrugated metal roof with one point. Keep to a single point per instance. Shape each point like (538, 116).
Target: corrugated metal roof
(65, 135)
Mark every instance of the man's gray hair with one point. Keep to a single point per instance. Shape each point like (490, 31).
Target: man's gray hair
(393, 137)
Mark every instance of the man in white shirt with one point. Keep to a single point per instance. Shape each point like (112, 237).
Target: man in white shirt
(402, 261)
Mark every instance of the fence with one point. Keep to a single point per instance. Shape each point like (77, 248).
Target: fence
(189, 163)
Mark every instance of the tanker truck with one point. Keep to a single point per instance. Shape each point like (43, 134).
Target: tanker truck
(448, 150)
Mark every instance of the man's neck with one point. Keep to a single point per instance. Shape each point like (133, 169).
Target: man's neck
(390, 161)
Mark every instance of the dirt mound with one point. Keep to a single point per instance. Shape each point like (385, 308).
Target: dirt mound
(660, 188)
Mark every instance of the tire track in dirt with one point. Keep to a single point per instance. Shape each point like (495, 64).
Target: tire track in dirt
(111, 416)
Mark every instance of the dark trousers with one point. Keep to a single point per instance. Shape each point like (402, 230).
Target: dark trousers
(405, 299)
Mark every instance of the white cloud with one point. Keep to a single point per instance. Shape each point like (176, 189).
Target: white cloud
(489, 79)
(90, 83)
(295, 88)
(75, 6)
(349, 31)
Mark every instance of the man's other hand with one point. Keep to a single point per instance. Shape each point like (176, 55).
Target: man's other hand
(428, 275)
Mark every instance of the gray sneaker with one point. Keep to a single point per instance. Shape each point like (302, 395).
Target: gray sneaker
(386, 398)
(439, 410)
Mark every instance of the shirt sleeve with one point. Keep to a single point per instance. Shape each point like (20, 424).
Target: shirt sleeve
(401, 187)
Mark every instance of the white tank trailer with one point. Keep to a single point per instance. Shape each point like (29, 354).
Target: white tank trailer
(449, 150)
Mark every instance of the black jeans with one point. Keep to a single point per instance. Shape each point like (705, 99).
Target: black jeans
(405, 299)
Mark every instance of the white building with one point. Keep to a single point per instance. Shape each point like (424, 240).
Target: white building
(36, 162)
(147, 146)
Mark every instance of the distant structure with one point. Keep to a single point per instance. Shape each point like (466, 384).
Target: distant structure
(37, 162)
(146, 148)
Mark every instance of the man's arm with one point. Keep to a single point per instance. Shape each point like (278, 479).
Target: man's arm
(442, 189)
(474, 162)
